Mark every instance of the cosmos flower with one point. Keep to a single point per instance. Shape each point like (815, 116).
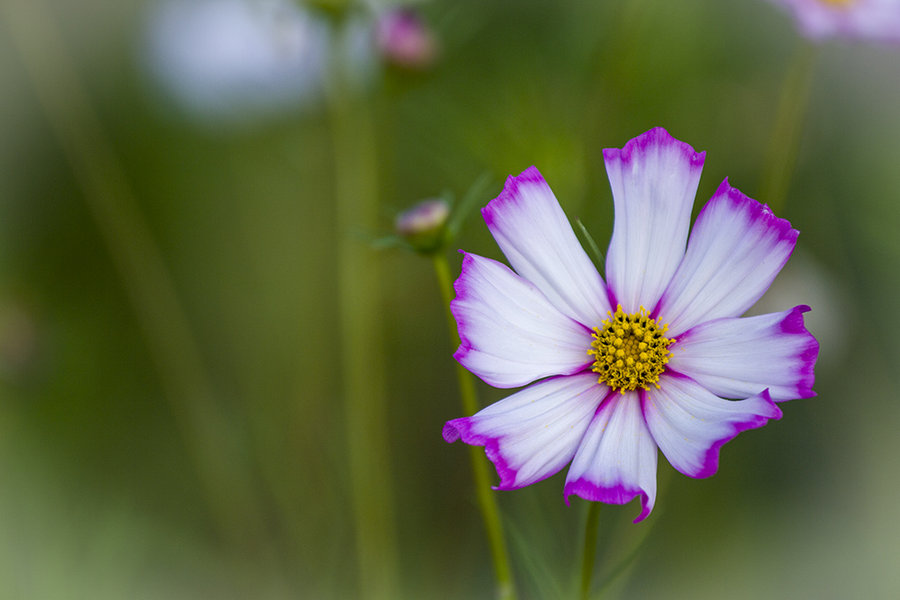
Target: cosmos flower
(222, 58)
(656, 357)
(875, 20)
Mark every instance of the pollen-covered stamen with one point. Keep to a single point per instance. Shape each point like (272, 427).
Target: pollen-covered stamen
(630, 351)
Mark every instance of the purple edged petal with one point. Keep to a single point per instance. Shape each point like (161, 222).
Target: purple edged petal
(534, 433)
(510, 334)
(690, 424)
(616, 461)
(654, 180)
(535, 236)
(740, 357)
(736, 249)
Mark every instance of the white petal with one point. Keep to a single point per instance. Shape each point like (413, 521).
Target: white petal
(654, 180)
(510, 333)
(740, 357)
(737, 247)
(536, 238)
(534, 433)
(616, 461)
(690, 424)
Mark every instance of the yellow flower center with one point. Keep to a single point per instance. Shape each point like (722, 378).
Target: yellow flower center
(840, 3)
(630, 351)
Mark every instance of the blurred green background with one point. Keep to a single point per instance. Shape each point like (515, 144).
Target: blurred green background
(102, 493)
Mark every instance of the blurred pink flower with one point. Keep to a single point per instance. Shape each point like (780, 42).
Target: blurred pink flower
(874, 20)
(649, 359)
(404, 40)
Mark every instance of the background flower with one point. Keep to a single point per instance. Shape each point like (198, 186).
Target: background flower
(867, 20)
(221, 57)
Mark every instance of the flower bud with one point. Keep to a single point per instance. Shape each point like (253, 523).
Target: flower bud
(404, 40)
(423, 225)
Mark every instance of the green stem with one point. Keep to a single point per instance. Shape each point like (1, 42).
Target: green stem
(619, 569)
(361, 335)
(589, 551)
(207, 434)
(490, 513)
(626, 562)
(784, 145)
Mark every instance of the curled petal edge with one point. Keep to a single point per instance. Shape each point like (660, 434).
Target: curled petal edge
(617, 494)
(461, 429)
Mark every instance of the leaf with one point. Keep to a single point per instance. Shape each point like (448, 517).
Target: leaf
(593, 249)
(389, 241)
(473, 197)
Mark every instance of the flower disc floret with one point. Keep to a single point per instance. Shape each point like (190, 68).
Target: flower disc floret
(630, 352)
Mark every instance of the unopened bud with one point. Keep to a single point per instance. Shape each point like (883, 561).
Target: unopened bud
(404, 40)
(423, 225)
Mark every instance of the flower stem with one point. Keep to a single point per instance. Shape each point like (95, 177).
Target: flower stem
(209, 437)
(619, 569)
(361, 334)
(784, 145)
(626, 561)
(490, 513)
(589, 552)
